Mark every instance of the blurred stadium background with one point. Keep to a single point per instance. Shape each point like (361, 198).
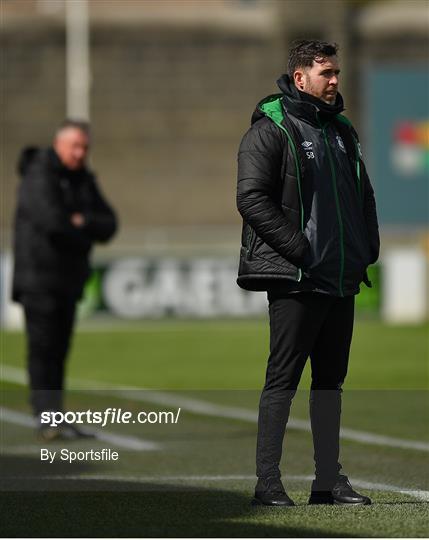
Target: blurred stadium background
(169, 87)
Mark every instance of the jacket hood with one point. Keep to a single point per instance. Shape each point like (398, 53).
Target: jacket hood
(271, 101)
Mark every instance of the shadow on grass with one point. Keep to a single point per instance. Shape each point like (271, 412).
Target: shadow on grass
(174, 512)
(33, 506)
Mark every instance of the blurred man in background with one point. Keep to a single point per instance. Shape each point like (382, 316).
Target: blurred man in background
(60, 214)
(310, 231)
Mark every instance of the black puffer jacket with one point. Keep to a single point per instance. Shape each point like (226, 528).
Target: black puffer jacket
(51, 255)
(308, 208)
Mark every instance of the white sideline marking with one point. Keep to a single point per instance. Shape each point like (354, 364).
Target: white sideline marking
(197, 406)
(374, 486)
(123, 441)
(416, 493)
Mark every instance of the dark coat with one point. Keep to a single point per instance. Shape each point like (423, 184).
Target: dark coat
(50, 254)
(308, 208)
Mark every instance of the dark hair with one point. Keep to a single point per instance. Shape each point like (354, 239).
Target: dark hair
(304, 51)
(82, 125)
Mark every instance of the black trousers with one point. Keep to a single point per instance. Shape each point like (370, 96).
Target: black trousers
(49, 324)
(301, 325)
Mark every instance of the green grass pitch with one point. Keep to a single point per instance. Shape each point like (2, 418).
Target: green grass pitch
(199, 481)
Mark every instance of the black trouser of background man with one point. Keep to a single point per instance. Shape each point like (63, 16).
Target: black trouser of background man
(49, 323)
(301, 325)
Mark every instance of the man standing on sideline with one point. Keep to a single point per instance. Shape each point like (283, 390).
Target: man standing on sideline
(60, 214)
(310, 231)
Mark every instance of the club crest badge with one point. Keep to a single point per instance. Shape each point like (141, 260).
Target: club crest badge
(340, 143)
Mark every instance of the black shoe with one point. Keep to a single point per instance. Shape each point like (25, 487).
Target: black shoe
(270, 492)
(341, 493)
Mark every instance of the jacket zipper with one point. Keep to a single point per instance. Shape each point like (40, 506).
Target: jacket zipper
(337, 204)
(358, 169)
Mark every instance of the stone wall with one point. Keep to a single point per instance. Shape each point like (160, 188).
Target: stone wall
(169, 105)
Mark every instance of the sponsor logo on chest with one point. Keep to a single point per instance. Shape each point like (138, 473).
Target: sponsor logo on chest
(309, 150)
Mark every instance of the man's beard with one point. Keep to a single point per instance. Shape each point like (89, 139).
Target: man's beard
(311, 90)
